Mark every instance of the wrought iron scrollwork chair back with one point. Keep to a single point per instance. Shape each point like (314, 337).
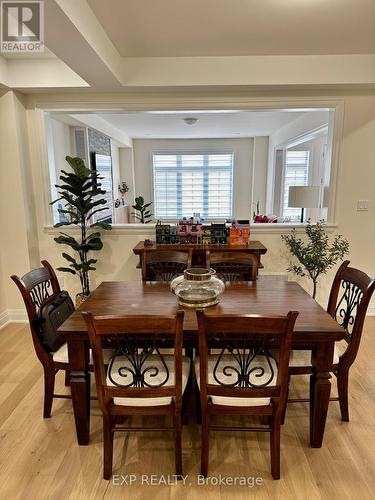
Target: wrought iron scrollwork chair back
(37, 287)
(234, 266)
(348, 302)
(244, 378)
(164, 265)
(140, 380)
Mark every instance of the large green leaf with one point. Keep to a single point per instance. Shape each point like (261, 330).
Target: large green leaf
(66, 270)
(92, 261)
(93, 236)
(79, 167)
(68, 240)
(94, 244)
(92, 204)
(69, 258)
(103, 225)
(59, 224)
(91, 214)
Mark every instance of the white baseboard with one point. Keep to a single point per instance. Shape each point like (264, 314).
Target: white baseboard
(13, 316)
(3, 319)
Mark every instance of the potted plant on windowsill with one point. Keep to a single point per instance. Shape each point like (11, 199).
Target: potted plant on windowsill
(142, 212)
(123, 188)
(315, 256)
(81, 191)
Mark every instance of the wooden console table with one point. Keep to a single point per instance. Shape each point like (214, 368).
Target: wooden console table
(199, 251)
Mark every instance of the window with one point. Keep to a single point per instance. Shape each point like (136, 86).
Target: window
(296, 174)
(185, 184)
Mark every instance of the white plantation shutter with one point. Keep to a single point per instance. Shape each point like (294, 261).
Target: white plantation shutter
(189, 183)
(296, 174)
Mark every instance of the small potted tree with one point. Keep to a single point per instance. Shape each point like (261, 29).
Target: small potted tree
(81, 191)
(315, 256)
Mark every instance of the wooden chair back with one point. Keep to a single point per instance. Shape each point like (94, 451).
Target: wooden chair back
(348, 303)
(243, 337)
(136, 338)
(234, 266)
(165, 265)
(37, 287)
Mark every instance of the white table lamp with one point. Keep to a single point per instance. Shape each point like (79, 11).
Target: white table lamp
(303, 197)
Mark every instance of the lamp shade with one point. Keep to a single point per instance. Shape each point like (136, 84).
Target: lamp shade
(304, 196)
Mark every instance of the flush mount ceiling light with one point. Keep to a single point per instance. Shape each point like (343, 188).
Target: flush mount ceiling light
(190, 120)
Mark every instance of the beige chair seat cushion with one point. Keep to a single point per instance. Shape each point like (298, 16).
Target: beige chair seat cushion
(153, 360)
(303, 358)
(227, 360)
(61, 355)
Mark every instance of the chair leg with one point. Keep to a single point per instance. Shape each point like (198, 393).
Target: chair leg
(342, 387)
(177, 444)
(108, 446)
(283, 413)
(275, 448)
(67, 378)
(198, 409)
(204, 445)
(49, 386)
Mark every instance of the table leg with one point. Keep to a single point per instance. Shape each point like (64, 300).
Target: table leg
(80, 388)
(320, 390)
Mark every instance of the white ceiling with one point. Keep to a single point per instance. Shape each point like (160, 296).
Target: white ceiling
(199, 45)
(148, 28)
(209, 125)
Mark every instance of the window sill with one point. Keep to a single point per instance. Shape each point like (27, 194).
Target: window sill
(148, 230)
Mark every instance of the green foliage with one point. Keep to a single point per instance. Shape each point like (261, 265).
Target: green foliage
(123, 187)
(315, 256)
(81, 191)
(142, 214)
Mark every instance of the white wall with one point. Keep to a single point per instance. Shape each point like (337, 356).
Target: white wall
(243, 165)
(260, 173)
(16, 198)
(116, 176)
(127, 172)
(62, 145)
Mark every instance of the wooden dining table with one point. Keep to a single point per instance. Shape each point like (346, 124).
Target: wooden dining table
(315, 330)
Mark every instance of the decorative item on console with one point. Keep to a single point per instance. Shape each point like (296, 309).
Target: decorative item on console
(259, 218)
(193, 231)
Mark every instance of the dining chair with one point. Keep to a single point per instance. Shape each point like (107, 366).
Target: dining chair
(140, 380)
(244, 378)
(165, 265)
(38, 287)
(234, 266)
(348, 302)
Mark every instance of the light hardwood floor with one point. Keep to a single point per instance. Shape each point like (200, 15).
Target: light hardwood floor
(40, 459)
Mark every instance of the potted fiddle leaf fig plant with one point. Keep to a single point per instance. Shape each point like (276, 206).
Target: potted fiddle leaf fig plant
(80, 189)
(315, 256)
(142, 212)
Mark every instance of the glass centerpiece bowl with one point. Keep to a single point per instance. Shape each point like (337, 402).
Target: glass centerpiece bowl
(197, 287)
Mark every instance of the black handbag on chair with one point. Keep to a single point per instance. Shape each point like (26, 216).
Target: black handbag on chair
(52, 314)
